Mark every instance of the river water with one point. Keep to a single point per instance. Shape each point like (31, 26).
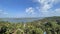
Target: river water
(19, 20)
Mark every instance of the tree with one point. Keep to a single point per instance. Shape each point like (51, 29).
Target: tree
(3, 30)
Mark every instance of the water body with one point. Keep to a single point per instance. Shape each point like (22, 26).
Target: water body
(19, 19)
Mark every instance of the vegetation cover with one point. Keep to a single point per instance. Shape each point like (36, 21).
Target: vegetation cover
(48, 25)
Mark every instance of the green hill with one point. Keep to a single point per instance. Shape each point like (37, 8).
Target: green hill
(48, 25)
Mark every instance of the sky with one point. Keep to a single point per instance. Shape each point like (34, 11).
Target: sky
(29, 8)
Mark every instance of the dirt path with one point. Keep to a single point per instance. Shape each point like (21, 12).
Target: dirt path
(19, 30)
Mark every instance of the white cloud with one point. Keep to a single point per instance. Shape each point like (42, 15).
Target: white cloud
(30, 10)
(47, 1)
(46, 6)
(5, 13)
(2, 12)
(57, 10)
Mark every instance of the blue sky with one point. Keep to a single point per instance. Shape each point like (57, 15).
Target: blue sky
(29, 8)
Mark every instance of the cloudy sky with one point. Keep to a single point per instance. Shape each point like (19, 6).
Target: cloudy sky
(29, 8)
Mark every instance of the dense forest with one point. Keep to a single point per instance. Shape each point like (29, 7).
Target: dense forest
(48, 25)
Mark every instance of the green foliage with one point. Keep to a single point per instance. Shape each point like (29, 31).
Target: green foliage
(48, 25)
